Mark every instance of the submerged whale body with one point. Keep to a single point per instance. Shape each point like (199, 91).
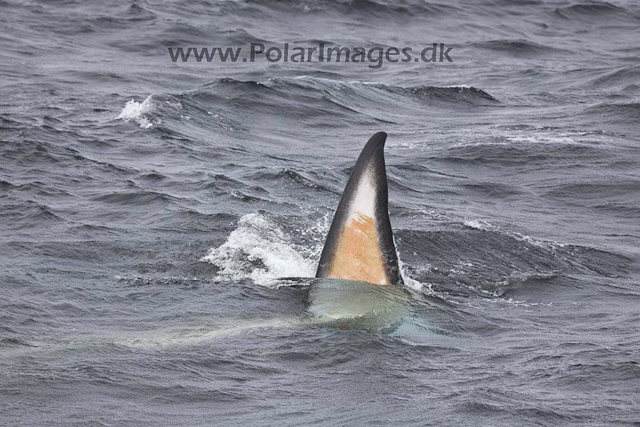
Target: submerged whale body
(359, 245)
(357, 305)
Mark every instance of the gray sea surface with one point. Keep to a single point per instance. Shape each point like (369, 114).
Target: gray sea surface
(162, 221)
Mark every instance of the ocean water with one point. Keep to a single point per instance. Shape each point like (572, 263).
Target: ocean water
(161, 221)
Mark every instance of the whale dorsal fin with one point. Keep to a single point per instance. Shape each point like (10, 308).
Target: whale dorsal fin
(360, 241)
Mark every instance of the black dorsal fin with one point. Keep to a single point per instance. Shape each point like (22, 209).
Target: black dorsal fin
(360, 242)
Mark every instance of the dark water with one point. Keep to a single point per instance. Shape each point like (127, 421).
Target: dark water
(142, 241)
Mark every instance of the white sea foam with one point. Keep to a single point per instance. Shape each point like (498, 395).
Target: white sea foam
(516, 302)
(562, 139)
(260, 251)
(483, 225)
(479, 224)
(138, 111)
(410, 282)
(546, 244)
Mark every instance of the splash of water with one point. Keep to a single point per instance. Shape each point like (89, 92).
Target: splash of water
(260, 251)
(137, 112)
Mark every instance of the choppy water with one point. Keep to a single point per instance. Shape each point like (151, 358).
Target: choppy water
(149, 208)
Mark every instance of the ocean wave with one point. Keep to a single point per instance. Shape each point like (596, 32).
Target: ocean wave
(595, 9)
(140, 197)
(453, 93)
(520, 48)
(619, 77)
(460, 93)
(138, 112)
(493, 189)
(483, 225)
(377, 8)
(293, 177)
(29, 214)
(529, 147)
(627, 114)
(487, 261)
(360, 103)
(6, 343)
(611, 196)
(223, 105)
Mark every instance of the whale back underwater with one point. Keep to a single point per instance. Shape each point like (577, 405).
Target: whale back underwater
(162, 223)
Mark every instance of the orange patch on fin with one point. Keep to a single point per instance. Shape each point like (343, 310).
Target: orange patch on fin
(358, 254)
